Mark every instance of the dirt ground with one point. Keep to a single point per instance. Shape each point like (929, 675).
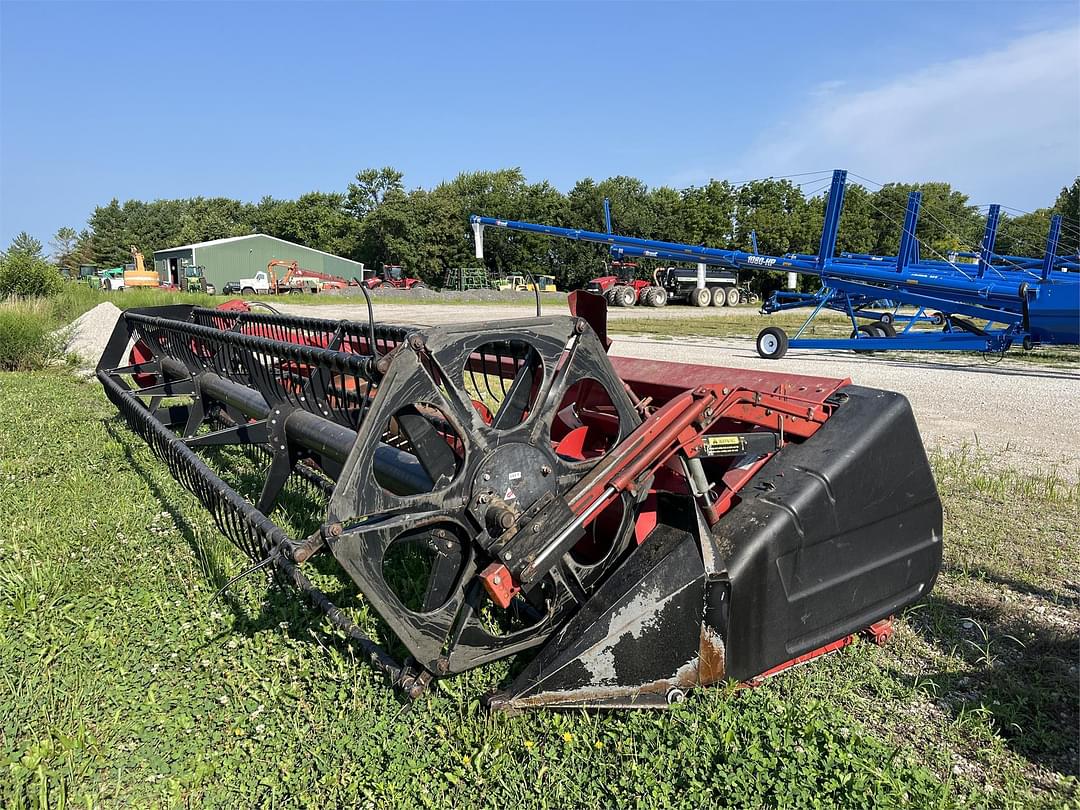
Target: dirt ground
(1022, 413)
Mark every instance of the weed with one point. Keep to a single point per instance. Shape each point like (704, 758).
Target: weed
(26, 339)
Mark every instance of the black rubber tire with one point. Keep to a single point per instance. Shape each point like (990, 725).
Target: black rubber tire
(870, 331)
(248, 291)
(700, 297)
(886, 317)
(1027, 344)
(659, 297)
(887, 328)
(625, 296)
(771, 343)
(717, 296)
(937, 319)
(732, 296)
(419, 286)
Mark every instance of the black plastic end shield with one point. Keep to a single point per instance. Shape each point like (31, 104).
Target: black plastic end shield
(833, 535)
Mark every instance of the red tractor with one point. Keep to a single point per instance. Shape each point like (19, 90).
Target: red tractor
(715, 286)
(394, 276)
(624, 289)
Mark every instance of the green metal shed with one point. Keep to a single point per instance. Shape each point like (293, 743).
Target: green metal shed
(238, 257)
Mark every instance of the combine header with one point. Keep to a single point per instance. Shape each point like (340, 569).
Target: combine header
(985, 306)
(637, 528)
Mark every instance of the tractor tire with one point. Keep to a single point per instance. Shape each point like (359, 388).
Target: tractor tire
(700, 297)
(659, 296)
(732, 296)
(772, 343)
(625, 296)
(609, 296)
(718, 296)
(418, 286)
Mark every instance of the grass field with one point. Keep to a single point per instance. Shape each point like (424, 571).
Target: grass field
(122, 683)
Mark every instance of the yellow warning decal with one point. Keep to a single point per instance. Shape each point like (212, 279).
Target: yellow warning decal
(723, 445)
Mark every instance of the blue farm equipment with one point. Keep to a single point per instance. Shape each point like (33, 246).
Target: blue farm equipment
(1017, 299)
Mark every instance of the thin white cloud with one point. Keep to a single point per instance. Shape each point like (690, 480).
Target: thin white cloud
(1002, 125)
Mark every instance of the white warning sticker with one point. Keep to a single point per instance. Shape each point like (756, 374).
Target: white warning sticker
(509, 496)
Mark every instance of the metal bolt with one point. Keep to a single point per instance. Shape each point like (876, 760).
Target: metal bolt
(675, 696)
(496, 580)
(545, 470)
(335, 530)
(487, 476)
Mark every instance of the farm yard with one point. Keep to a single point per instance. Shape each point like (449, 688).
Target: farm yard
(128, 682)
(513, 405)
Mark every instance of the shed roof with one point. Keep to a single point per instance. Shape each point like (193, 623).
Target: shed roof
(254, 236)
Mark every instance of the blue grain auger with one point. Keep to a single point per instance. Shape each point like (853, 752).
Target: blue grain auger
(890, 300)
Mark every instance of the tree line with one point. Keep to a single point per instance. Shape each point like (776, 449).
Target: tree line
(378, 221)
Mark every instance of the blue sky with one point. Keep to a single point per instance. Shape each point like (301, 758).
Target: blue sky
(155, 100)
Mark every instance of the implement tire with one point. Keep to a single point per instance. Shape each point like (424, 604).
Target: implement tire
(701, 297)
(732, 296)
(771, 343)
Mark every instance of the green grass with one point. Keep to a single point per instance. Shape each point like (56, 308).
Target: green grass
(122, 684)
(26, 341)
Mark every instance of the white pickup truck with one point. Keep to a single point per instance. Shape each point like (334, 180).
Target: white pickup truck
(260, 285)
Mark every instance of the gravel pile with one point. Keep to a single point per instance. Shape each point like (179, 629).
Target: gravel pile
(88, 334)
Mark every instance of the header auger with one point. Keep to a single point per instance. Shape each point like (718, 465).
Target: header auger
(639, 528)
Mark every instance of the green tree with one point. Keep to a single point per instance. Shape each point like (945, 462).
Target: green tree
(24, 272)
(947, 221)
(370, 189)
(856, 232)
(707, 215)
(65, 251)
(1068, 205)
(26, 245)
(1024, 235)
